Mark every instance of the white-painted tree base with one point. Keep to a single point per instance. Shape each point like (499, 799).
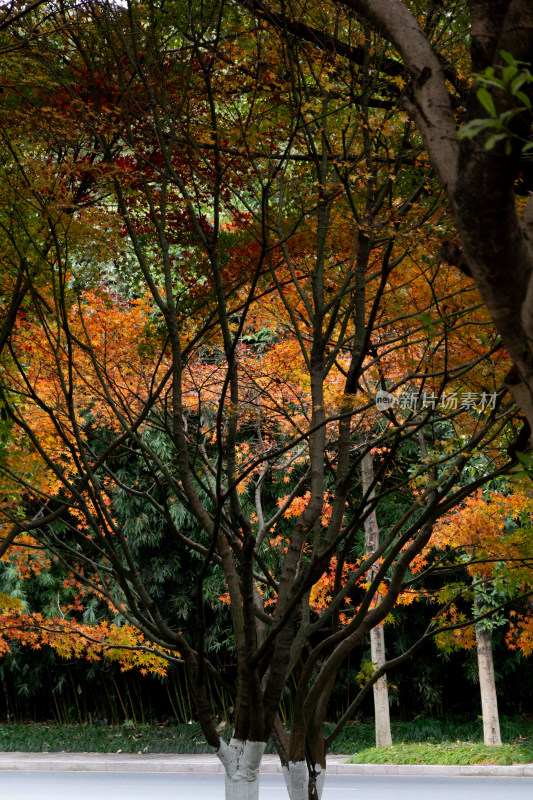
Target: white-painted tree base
(381, 690)
(241, 760)
(487, 686)
(297, 780)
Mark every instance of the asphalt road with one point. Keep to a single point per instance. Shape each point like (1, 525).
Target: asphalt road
(16, 785)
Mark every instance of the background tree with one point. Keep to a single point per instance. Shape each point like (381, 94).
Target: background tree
(492, 535)
(377, 634)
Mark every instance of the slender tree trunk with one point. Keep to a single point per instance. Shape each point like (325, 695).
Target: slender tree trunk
(381, 690)
(377, 635)
(241, 760)
(487, 686)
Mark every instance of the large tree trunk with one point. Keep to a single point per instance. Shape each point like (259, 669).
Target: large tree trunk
(487, 686)
(241, 760)
(298, 781)
(377, 635)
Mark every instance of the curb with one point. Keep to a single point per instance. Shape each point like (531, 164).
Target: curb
(148, 762)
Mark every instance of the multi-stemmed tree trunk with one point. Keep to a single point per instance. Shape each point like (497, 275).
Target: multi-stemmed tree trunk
(241, 761)
(303, 782)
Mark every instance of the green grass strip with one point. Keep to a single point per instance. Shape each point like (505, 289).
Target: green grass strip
(463, 754)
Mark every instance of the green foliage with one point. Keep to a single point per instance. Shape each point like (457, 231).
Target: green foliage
(127, 738)
(438, 738)
(422, 741)
(509, 83)
(168, 569)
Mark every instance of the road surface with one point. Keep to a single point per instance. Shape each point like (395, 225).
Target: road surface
(16, 785)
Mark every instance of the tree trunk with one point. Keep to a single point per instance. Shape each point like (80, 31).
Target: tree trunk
(381, 691)
(241, 761)
(377, 635)
(487, 686)
(298, 784)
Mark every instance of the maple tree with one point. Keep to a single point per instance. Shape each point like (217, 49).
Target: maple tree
(19, 26)
(218, 305)
(478, 171)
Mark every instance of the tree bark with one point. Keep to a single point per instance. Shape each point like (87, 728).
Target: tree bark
(381, 690)
(487, 686)
(297, 781)
(241, 761)
(377, 635)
